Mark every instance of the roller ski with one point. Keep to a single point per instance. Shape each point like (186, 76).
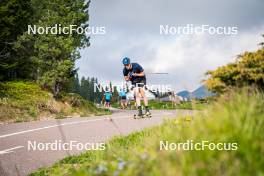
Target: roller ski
(140, 114)
(136, 116)
(147, 113)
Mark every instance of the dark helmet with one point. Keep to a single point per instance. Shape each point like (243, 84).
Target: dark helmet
(126, 61)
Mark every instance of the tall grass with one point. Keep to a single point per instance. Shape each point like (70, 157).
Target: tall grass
(238, 118)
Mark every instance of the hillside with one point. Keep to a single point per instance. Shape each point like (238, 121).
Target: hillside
(26, 101)
(185, 94)
(199, 93)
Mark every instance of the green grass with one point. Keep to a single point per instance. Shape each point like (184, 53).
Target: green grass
(82, 106)
(26, 101)
(194, 104)
(154, 104)
(239, 119)
(21, 101)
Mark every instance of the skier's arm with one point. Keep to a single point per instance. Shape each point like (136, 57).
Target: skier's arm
(127, 78)
(139, 74)
(139, 71)
(126, 75)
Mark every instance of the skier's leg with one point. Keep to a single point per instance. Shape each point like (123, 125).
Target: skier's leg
(126, 103)
(137, 93)
(143, 94)
(121, 103)
(142, 91)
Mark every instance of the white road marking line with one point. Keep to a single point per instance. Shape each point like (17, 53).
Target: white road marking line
(64, 124)
(10, 150)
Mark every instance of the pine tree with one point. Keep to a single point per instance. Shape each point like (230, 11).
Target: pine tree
(14, 17)
(53, 57)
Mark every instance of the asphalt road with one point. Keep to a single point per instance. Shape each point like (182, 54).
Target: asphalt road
(17, 156)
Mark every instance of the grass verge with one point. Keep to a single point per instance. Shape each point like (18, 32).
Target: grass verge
(154, 104)
(239, 119)
(25, 101)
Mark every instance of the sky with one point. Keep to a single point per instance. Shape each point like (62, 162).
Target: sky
(132, 29)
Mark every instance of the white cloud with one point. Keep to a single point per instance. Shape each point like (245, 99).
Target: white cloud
(132, 29)
(187, 58)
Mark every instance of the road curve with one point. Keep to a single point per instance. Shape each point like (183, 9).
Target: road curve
(17, 159)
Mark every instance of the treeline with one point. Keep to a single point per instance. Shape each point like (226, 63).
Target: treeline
(86, 87)
(247, 70)
(48, 59)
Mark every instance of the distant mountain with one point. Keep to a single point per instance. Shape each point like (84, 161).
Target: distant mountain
(184, 94)
(200, 92)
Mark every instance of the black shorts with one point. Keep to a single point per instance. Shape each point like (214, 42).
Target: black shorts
(141, 83)
(123, 97)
